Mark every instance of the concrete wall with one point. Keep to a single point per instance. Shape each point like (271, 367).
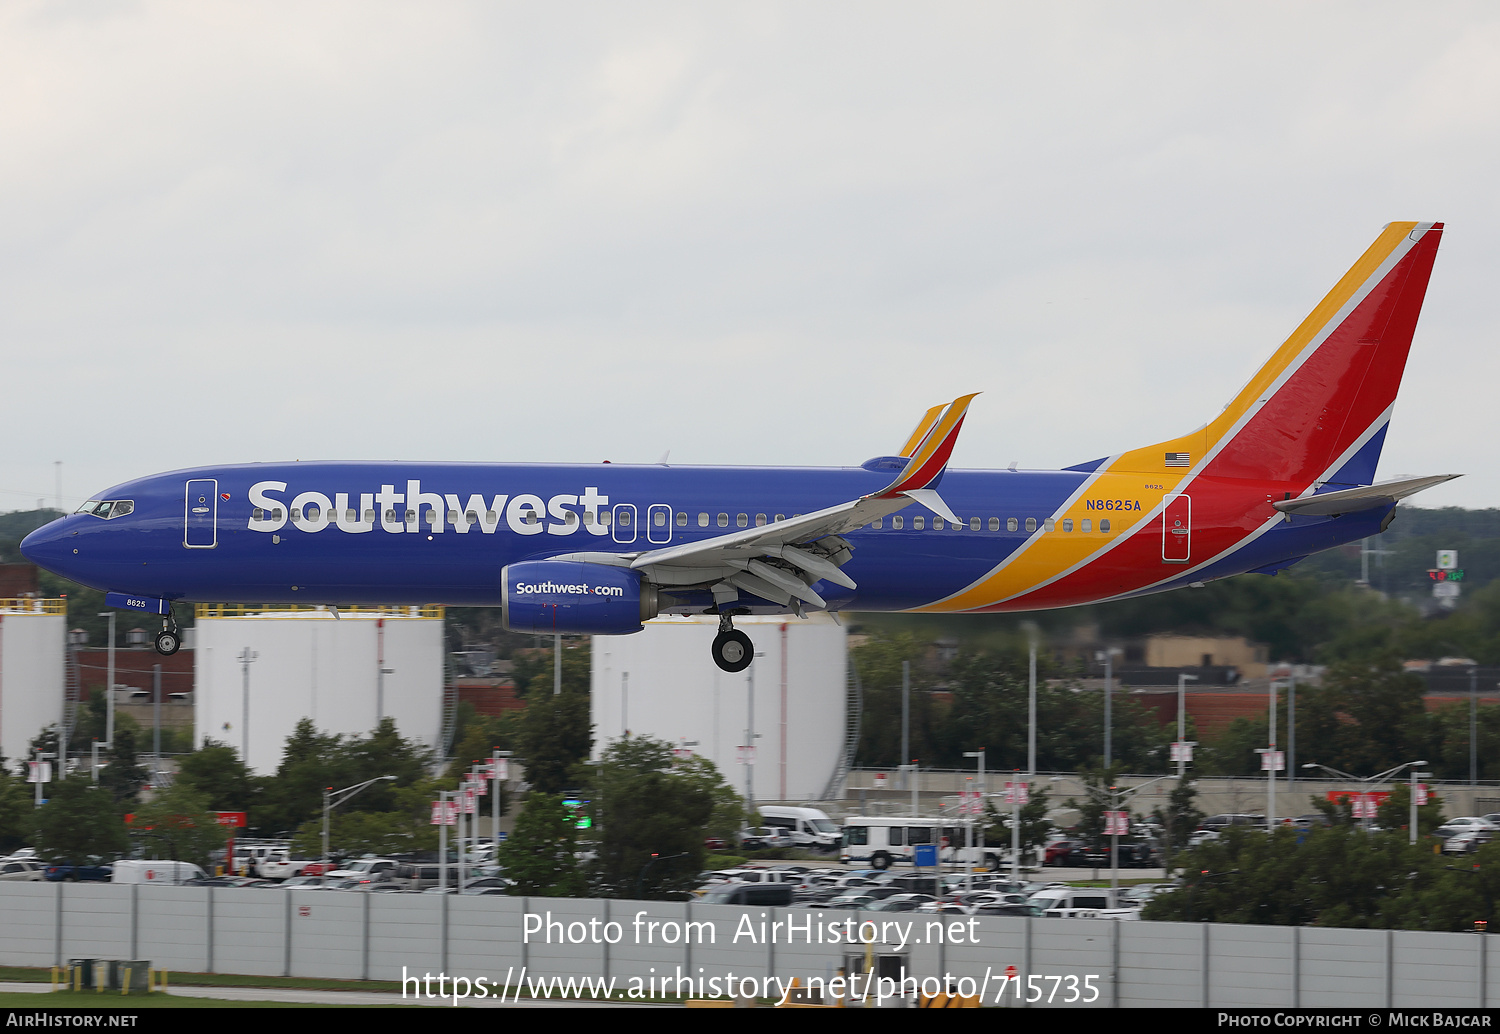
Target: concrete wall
(383, 937)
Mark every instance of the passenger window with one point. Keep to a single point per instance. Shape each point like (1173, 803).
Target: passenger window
(723, 520)
(1011, 524)
(624, 518)
(1104, 526)
(1031, 524)
(471, 517)
(897, 522)
(257, 514)
(411, 516)
(703, 520)
(452, 516)
(918, 523)
(490, 516)
(995, 524)
(1067, 524)
(937, 524)
(276, 514)
(877, 523)
(572, 519)
(1049, 524)
(974, 524)
(760, 520)
(1088, 525)
(682, 520)
(780, 517)
(296, 513)
(351, 516)
(370, 517)
(606, 518)
(742, 521)
(659, 519)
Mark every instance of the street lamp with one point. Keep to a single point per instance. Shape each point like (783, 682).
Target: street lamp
(1182, 681)
(109, 688)
(1380, 778)
(979, 755)
(329, 804)
(1115, 796)
(1108, 656)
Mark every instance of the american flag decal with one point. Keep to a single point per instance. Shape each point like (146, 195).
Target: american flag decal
(1178, 459)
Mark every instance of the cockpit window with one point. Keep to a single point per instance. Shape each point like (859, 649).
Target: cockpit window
(107, 508)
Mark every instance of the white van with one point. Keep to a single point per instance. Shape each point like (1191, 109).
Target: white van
(1081, 903)
(809, 828)
(134, 870)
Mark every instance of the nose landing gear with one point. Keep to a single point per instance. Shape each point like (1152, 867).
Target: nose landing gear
(732, 648)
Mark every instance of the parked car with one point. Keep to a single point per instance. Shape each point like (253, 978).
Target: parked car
(94, 872)
(22, 871)
(1468, 841)
(758, 837)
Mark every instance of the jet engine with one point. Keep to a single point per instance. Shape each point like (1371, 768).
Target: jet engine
(575, 598)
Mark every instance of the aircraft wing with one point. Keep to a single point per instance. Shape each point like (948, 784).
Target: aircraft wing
(780, 561)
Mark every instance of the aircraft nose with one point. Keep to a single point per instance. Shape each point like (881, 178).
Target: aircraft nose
(49, 547)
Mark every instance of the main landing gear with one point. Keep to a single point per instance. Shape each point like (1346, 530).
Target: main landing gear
(732, 648)
(169, 639)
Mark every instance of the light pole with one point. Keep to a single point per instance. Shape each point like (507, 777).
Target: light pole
(329, 804)
(1182, 681)
(109, 688)
(1108, 657)
(750, 738)
(1269, 758)
(1115, 795)
(246, 658)
(1367, 780)
(1412, 821)
(978, 754)
(1031, 636)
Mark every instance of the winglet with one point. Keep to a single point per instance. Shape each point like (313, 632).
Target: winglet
(930, 458)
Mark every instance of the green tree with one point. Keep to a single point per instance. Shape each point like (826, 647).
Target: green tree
(79, 822)
(216, 771)
(555, 735)
(123, 775)
(17, 810)
(1035, 826)
(1180, 817)
(540, 855)
(178, 824)
(653, 817)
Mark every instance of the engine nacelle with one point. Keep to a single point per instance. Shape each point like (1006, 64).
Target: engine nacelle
(575, 598)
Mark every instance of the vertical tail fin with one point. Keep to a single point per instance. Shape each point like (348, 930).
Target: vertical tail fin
(1317, 412)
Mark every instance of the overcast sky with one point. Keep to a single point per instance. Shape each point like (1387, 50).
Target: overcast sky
(752, 233)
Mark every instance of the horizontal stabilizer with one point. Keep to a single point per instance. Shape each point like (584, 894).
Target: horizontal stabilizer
(1353, 500)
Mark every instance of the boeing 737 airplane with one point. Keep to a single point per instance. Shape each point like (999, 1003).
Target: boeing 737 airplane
(1285, 470)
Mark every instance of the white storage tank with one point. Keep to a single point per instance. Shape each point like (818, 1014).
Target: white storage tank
(661, 682)
(33, 644)
(341, 672)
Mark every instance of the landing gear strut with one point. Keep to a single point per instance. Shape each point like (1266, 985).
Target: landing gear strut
(169, 639)
(732, 649)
